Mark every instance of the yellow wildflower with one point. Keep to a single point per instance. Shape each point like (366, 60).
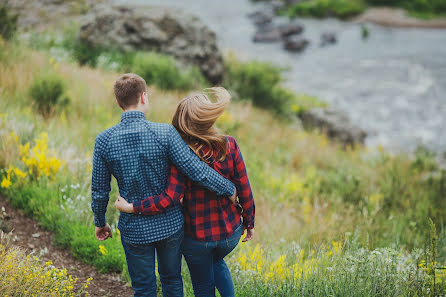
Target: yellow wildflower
(6, 182)
(103, 249)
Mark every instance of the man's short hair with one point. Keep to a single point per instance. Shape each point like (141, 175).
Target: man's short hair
(128, 87)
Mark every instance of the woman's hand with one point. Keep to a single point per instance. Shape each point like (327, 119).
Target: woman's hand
(123, 206)
(249, 234)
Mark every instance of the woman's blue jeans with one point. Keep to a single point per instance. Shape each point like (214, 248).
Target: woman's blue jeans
(141, 265)
(208, 269)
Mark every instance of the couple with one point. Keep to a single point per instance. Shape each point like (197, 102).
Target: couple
(180, 185)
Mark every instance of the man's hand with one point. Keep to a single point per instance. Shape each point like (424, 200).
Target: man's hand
(102, 233)
(123, 206)
(249, 235)
(233, 198)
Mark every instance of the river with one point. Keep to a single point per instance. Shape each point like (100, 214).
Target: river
(392, 84)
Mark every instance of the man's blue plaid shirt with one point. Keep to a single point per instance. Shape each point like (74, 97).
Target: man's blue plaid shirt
(138, 153)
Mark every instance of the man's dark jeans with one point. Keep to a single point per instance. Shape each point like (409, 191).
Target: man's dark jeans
(207, 267)
(141, 265)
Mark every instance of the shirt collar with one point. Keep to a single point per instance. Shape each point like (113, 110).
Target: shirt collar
(132, 115)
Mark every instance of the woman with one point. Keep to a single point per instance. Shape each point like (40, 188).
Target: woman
(213, 224)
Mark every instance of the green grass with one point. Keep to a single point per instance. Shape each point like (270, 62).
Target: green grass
(344, 9)
(324, 8)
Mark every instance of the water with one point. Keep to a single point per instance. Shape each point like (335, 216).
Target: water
(393, 84)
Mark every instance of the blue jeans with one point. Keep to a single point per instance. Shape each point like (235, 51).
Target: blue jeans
(141, 265)
(207, 267)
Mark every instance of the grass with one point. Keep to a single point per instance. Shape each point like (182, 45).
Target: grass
(25, 275)
(344, 9)
(309, 191)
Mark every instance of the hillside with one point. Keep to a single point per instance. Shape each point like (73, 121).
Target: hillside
(319, 206)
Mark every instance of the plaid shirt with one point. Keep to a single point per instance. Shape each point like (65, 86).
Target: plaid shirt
(207, 216)
(138, 154)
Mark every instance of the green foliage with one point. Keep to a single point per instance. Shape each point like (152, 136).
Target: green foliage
(8, 21)
(348, 8)
(86, 54)
(260, 83)
(163, 72)
(324, 8)
(49, 93)
(157, 69)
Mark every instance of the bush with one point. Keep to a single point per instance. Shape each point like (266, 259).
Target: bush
(8, 22)
(325, 8)
(48, 93)
(163, 72)
(260, 83)
(85, 54)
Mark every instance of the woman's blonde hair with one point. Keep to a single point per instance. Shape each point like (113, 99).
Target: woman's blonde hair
(194, 120)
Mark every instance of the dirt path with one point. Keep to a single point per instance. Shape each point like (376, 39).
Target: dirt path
(394, 17)
(33, 238)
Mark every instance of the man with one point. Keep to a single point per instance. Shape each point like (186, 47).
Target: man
(138, 153)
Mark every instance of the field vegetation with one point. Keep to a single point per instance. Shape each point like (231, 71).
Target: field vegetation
(331, 221)
(348, 8)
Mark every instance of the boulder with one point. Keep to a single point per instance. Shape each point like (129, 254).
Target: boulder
(271, 34)
(328, 38)
(295, 44)
(165, 30)
(277, 33)
(261, 17)
(290, 29)
(335, 124)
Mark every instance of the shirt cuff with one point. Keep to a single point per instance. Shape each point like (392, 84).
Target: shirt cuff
(137, 207)
(99, 222)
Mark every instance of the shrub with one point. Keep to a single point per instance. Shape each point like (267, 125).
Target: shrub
(163, 72)
(8, 22)
(324, 8)
(260, 83)
(48, 93)
(85, 54)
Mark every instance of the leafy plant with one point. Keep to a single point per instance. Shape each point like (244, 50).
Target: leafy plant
(49, 93)
(8, 21)
(163, 72)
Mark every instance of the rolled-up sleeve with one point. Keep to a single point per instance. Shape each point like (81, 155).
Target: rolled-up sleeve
(100, 183)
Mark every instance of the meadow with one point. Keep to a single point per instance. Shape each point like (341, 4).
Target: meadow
(331, 220)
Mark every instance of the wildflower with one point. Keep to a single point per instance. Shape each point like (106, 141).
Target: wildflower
(6, 182)
(103, 249)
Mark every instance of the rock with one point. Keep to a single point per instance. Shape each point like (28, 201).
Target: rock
(261, 17)
(277, 5)
(268, 35)
(40, 14)
(277, 33)
(328, 38)
(165, 30)
(335, 124)
(295, 44)
(292, 2)
(290, 29)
